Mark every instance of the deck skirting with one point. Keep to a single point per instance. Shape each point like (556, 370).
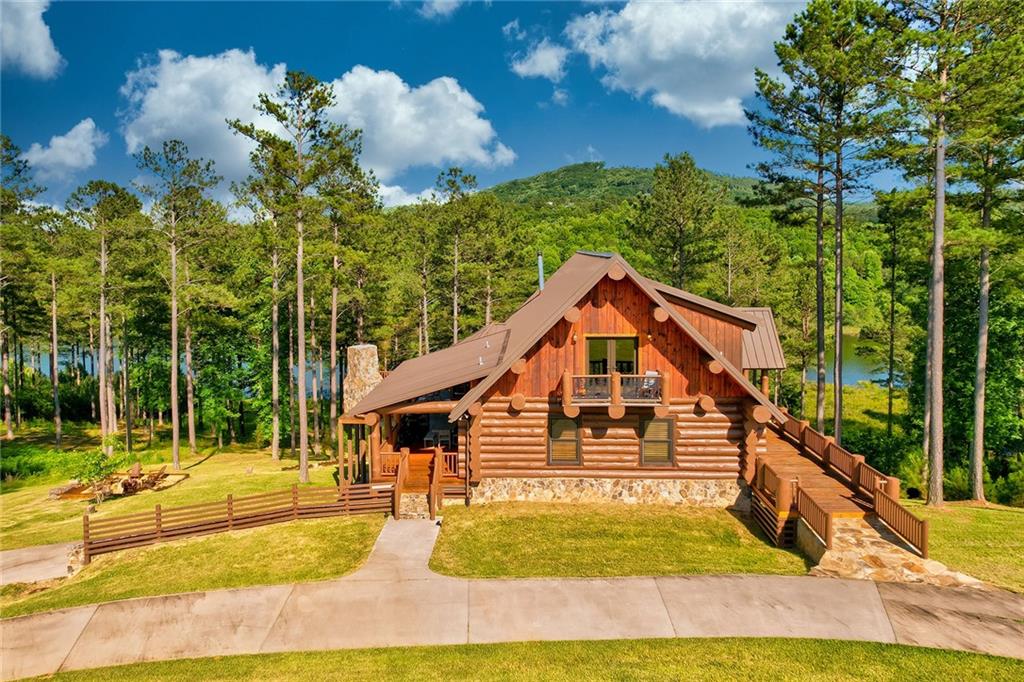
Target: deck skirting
(684, 492)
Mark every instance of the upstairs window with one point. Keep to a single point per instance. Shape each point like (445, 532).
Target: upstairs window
(616, 353)
(656, 442)
(563, 441)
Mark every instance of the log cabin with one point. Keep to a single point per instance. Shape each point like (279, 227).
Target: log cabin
(603, 385)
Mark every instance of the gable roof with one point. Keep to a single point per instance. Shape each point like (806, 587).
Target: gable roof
(565, 288)
(761, 346)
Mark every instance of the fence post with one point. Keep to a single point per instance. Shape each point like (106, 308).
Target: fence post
(858, 461)
(784, 496)
(295, 501)
(924, 539)
(804, 424)
(231, 511)
(892, 487)
(828, 530)
(85, 539)
(159, 522)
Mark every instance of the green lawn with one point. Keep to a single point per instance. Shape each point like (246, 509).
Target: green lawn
(550, 539)
(281, 553)
(984, 541)
(29, 517)
(691, 659)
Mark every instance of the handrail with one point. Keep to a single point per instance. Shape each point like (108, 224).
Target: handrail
(615, 387)
(401, 473)
(902, 522)
(434, 489)
(817, 518)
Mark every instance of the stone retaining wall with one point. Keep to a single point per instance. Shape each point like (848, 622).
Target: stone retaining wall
(697, 493)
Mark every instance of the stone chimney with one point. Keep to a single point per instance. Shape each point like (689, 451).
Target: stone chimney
(362, 376)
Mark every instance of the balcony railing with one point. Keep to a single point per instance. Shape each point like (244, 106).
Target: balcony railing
(614, 390)
(633, 388)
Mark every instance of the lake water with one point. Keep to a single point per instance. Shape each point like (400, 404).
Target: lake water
(855, 367)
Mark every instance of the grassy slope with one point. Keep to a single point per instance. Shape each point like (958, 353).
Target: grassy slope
(864, 407)
(693, 659)
(984, 541)
(270, 555)
(29, 517)
(548, 539)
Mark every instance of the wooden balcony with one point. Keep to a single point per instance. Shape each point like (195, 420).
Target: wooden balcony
(615, 390)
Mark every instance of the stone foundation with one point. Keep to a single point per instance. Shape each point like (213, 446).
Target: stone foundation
(697, 493)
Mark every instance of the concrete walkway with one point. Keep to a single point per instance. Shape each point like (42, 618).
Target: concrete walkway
(32, 564)
(395, 600)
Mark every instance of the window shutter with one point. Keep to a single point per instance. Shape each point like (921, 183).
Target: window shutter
(656, 441)
(563, 441)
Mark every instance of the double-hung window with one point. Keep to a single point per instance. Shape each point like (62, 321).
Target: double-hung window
(656, 442)
(563, 441)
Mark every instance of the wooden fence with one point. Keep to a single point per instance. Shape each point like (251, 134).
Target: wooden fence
(103, 535)
(880, 491)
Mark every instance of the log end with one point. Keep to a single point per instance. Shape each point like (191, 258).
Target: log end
(475, 409)
(660, 314)
(519, 366)
(571, 411)
(518, 402)
(706, 403)
(661, 411)
(616, 272)
(572, 315)
(616, 411)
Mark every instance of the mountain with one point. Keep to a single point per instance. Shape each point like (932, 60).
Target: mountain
(593, 182)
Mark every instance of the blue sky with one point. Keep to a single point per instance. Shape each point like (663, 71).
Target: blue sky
(503, 89)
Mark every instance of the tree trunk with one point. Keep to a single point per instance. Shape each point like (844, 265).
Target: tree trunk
(175, 416)
(837, 370)
(102, 379)
(111, 397)
(891, 375)
(488, 301)
(300, 309)
(190, 389)
(6, 369)
(938, 287)
(291, 375)
(424, 313)
(314, 352)
(92, 372)
(978, 444)
(275, 364)
(334, 345)
(54, 361)
(819, 286)
(455, 290)
(128, 420)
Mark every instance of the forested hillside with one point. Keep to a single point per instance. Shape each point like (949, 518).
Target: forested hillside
(593, 182)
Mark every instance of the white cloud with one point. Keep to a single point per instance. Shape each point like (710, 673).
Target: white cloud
(68, 153)
(25, 41)
(189, 98)
(439, 9)
(512, 30)
(544, 60)
(695, 59)
(560, 97)
(433, 124)
(393, 195)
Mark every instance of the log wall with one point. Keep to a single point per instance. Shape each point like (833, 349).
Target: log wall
(707, 445)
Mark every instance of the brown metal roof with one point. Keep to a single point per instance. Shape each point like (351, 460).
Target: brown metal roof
(472, 358)
(761, 346)
(490, 352)
(693, 300)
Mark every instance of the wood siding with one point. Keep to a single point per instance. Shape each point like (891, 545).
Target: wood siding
(622, 308)
(707, 445)
(725, 335)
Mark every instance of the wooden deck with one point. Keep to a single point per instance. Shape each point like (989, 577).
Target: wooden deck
(832, 495)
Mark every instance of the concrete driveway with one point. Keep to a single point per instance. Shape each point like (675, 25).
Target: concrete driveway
(395, 600)
(32, 564)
